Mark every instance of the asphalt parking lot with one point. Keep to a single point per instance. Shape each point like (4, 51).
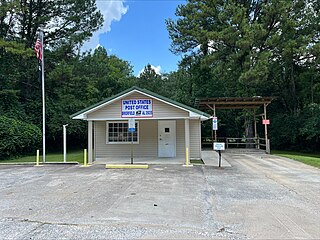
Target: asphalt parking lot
(260, 196)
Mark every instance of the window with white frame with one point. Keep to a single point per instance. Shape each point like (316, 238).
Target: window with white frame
(117, 132)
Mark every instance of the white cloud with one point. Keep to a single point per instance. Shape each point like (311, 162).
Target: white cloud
(157, 69)
(111, 11)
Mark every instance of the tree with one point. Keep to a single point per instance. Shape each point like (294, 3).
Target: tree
(66, 21)
(150, 80)
(245, 37)
(66, 24)
(249, 47)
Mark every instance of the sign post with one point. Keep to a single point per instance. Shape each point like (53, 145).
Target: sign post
(266, 122)
(215, 127)
(131, 129)
(219, 151)
(219, 146)
(131, 147)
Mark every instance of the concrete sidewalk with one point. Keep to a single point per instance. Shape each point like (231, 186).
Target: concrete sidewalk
(141, 160)
(211, 158)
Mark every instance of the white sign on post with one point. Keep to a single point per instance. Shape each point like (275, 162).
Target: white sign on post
(215, 123)
(136, 108)
(131, 125)
(219, 146)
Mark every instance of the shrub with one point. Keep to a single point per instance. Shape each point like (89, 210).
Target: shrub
(17, 137)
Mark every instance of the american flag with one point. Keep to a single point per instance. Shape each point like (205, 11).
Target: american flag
(38, 49)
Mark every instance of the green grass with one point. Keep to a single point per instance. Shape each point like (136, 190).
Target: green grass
(312, 159)
(196, 161)
(72, 156)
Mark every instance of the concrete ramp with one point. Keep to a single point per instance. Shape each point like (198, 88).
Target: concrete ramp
(244, 151)
(211, 158)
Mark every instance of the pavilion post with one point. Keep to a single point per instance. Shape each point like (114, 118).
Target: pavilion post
(255, 129)
(212, 135)
(266, 129)
(214, 114)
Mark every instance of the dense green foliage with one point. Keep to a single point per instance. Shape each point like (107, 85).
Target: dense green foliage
(230, 48)
(71, 21)
(72, 80)
(255, 48)
(17, 137)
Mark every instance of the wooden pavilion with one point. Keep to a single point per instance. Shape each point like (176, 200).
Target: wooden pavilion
(253, 103)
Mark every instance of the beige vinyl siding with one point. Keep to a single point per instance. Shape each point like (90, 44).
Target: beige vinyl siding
(147, 147)
(148, 141)
(160, 109)
(180, 138)
(195, 139)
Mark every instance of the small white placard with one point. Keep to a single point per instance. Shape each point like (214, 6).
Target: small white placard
(218, 146)
(131, 125)
(215, 123)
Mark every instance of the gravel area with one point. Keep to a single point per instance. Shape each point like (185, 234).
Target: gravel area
(259, 197)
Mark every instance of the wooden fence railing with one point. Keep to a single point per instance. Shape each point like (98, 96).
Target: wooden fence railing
(231, 142)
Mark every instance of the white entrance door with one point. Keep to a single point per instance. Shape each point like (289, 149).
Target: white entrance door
(167, 138)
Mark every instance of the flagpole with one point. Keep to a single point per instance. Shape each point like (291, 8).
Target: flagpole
(43, 102)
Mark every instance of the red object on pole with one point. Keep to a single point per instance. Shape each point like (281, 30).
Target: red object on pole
(38, 49)
(266, 121)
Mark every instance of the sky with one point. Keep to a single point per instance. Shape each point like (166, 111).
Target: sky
(135, 31)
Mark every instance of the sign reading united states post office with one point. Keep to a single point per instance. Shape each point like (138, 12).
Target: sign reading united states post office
(136, 108)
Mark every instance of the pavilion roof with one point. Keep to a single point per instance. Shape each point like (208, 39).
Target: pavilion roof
(233, 102)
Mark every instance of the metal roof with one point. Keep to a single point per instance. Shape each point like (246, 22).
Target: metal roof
(233, 102)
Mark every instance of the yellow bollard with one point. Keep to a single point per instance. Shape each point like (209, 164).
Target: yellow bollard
(38, 159)
(187, 157)
(85, 158)
(85, 161)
